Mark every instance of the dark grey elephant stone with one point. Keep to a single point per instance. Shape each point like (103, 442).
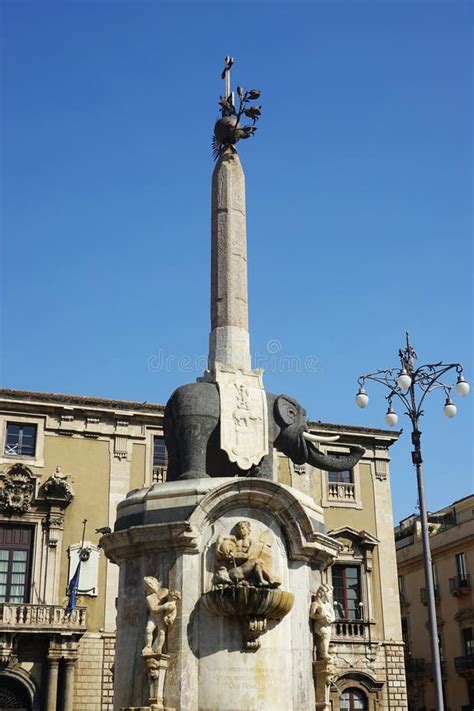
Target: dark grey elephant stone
(192, 436)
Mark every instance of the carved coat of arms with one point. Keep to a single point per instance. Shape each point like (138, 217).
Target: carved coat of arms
(244, 431)
(17, 490)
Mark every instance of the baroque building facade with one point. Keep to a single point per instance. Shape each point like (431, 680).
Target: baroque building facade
(65, 464)
(452, 550)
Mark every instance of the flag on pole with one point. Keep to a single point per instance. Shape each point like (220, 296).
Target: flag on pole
(72, 589)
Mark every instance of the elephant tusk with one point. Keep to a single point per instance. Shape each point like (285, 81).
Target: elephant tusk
(319, 438)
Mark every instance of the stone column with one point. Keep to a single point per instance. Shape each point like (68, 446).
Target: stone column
(52, 693)
(69, 684)
(119, 486)
(55, 528)
(229, 338)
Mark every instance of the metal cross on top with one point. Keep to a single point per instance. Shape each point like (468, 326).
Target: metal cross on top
(226, 77)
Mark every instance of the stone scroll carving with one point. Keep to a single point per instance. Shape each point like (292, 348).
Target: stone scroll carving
(162, 611)
(322, 614)
(245, 586)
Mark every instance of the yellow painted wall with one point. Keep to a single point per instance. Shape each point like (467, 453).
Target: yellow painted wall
(137, 467)
(88, 462)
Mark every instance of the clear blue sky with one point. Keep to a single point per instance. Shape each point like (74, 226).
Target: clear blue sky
(359, 187)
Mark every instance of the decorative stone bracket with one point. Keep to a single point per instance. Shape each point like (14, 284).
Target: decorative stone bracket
(251, 605)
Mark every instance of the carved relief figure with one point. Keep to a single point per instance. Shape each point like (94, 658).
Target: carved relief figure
(162, 613)
(57, 486)
(240, 559)
(322, 614)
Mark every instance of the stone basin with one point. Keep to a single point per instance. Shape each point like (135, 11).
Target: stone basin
(248, 600)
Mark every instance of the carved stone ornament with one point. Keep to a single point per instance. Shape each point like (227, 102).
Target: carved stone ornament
(244, 585)
(57, 488)
(322, 614)
(243, 406)
(162, 611)
(17, 490)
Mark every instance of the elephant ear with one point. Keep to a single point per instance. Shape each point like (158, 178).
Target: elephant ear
(287, 410)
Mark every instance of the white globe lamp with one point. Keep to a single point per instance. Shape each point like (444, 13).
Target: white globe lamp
(362, 399)
(404, 380)
(391, 418)
(450, 408)
(462, 387)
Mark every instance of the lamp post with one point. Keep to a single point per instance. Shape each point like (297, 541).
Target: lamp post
(411, 385)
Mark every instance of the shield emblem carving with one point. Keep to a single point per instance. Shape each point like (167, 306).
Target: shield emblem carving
(244, 431)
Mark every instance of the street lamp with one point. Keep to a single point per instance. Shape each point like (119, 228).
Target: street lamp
(407, 383)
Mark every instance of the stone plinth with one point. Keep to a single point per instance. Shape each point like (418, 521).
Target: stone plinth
(176, 532)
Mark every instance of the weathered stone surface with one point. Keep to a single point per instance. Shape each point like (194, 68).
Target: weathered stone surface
(206, 651)
(243, 425)
(229, 340)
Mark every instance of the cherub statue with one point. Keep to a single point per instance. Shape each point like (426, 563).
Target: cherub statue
(240, 561)
(162, 613)
(322, 614)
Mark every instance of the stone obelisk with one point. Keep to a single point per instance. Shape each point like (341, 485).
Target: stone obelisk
(242, 399)
(229, 337)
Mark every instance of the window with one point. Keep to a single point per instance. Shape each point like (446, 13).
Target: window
(347, 598)
(461, 569)
(405, 636)
(353, 700)
(160, 455)
(160, 460)
(401, 584)
(20, 439)
(15, 563)
(468, 642)
(344, 477)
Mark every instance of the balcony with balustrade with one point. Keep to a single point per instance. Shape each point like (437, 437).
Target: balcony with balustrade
(50, 619)
(415, 666)
(465, 665)
(342, 492)
(424, 595)
(344, 630)
(460, 585)
(159, 474)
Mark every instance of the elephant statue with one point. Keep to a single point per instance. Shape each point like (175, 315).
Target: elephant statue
(192, 436)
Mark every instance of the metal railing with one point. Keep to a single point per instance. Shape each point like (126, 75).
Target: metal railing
(464, 664)
(26, 617)
(424, 594)
(459, 583)
(415, 665)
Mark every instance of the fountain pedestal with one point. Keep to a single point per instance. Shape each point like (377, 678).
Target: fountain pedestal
(237, 644)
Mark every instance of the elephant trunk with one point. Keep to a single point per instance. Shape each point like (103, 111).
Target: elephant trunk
(334, 464)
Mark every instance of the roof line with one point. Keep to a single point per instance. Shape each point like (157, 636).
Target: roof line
(85, 400)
